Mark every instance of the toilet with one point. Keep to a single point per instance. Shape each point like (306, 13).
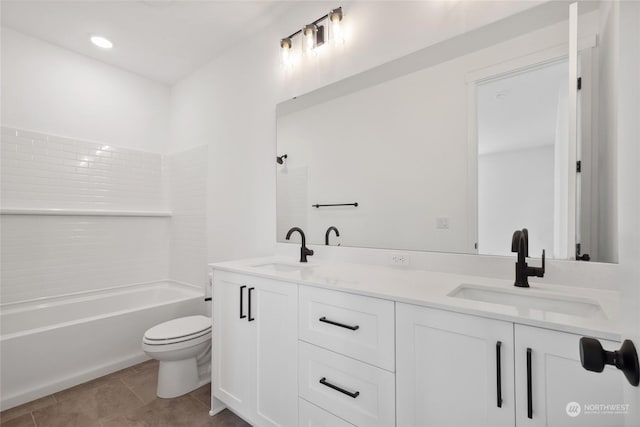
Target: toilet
(183, 348)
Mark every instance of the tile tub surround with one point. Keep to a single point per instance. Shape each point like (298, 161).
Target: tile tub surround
(45, 255)
(46, 171)
(186, 173)
(51, 254)
(124, 398)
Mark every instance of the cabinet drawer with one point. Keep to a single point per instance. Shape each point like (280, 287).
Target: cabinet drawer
(357, 326)
(354, 391)
(312, 416)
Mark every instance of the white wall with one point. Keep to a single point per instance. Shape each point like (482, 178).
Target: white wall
(229, 103)
(49, 89)
(515, 190)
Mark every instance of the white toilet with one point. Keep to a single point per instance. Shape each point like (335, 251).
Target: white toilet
(183, 347)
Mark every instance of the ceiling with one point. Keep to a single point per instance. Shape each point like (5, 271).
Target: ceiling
(520, 111)
(163, 40)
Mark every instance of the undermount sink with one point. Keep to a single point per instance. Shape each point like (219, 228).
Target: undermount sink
(280, 268)
(530, 299)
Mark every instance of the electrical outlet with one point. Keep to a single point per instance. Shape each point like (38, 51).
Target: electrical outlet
(400, 260)
(442, 223)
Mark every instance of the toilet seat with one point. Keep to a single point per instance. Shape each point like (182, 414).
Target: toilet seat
(179, 330)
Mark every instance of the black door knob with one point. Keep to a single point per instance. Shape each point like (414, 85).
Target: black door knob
(594, 358)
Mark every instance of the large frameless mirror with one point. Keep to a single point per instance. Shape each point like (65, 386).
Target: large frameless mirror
(454, 147)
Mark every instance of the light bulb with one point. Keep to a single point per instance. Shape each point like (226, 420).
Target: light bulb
(308, 38)
(336, 32)
(285, 49)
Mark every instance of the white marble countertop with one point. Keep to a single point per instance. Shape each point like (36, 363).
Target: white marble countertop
(432, 289)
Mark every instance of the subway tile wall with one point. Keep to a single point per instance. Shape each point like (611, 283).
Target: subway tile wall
(54, 255)
(187, 175)
(45, 255)
(46, 171)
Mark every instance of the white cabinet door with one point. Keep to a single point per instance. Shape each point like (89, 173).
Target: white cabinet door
(447, 370)
(234, 345)
(255, 348)
(274, 310)
(562, 392)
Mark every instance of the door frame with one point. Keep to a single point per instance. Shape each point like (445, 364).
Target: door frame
(513, 66)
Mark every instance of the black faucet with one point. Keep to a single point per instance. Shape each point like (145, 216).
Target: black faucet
(326, 235)
(304, 251)
(520, 244)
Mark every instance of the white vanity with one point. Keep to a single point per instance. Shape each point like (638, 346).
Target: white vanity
(327, 344)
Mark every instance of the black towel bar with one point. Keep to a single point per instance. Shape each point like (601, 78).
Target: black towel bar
(336, 204)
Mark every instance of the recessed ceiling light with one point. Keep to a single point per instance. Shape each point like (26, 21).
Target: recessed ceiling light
(101, 42)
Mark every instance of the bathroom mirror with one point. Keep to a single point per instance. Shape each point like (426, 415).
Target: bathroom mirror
(454, 147)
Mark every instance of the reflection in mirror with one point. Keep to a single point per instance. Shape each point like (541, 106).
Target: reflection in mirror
(522, 130)
(454, 147)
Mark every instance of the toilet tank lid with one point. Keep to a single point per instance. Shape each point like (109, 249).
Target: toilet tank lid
(181, 327)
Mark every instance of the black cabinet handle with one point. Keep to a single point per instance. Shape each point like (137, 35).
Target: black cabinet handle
(529, 386)
(251, 319)
(342, 325)
(324, 381)
(242, 315)
(499, 374)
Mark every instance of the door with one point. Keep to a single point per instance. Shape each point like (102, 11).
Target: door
(552, 388)
(234, 346)
(274, 314)
(453, 369)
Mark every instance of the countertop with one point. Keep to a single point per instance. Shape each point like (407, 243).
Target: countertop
(433, 289)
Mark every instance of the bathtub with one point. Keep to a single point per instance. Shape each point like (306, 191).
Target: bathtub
(49, 344)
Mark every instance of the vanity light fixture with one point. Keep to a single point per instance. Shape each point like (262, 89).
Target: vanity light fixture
(313, 35)
(101, 42)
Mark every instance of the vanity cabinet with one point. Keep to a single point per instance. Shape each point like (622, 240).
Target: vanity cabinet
(460, 370)
(551, 360)
(453, 369)
(288, 354)
(255, 354)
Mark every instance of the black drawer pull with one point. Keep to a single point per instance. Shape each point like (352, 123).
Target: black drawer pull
(529, 386)
(242, 315)
(342, 325)
(499, 373)
(324, 381)
(251, 319)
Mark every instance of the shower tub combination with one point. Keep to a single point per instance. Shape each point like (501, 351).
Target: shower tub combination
(49, 344)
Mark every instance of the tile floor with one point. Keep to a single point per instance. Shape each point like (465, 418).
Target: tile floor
(124, 398)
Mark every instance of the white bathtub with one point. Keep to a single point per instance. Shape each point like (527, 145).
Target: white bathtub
(49, 344)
